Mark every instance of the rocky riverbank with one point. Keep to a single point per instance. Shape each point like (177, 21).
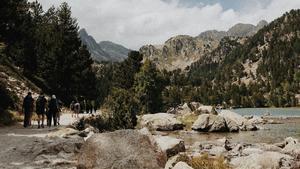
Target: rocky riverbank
(169, 140)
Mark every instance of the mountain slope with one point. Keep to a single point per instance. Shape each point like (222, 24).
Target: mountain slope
(263, 71)
(119, 52)
(181, 51)
(105, 50)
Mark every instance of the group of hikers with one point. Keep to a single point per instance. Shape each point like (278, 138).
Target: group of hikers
(51, 109)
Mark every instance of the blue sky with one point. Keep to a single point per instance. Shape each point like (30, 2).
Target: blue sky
(134, 23)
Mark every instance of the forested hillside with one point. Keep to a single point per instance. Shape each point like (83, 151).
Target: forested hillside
(264, 71)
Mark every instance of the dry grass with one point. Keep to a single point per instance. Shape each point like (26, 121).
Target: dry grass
(204, 162)
(188, 120)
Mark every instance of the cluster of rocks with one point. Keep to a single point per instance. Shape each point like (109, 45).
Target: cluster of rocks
(140, 149)
(208, 120)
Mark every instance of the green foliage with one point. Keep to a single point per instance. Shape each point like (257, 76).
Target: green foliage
(148, 88)
(123, 108)
(6, 102)
(46, 45)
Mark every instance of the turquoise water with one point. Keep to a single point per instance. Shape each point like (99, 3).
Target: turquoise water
(288, 112)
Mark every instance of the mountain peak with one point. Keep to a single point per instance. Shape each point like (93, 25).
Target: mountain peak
(105, 50)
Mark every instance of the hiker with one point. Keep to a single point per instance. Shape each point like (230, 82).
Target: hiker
(77, 109)
(53, 111)
(41, 109)
(88, 107)
(92, 105)
(27, 109)
(60, 107)
(72, 108)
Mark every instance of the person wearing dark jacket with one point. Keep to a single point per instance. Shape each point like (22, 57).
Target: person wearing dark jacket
(27, 109)
(53, 111)
(41, 109)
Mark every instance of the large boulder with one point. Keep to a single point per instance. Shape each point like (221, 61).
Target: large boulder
(231, 125)
(292, 147)
(180, 110)
(160, 122)
(210, 123)
(182, 165)
(264, 160)
(171, 146)
(203, 109)
(120, 149)
(241, 121)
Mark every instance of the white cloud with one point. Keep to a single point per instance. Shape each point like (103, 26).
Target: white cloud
(134, 23)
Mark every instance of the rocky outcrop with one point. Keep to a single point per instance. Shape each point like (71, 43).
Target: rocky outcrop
(243, 123)
(171, 146)
(178, 52)
(210, 123)
(181, 51)
(160, 122)
(120, 149)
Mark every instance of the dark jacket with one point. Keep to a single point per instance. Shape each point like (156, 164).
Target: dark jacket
(41, 104)
(53, 106)
(28, 103)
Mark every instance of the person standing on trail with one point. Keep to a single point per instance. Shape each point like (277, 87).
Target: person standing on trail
(27, 109)
(77, 109)
(53, 111)
(41, 109)
(72, 108)
(60, 107)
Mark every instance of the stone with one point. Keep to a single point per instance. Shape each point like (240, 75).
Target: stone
(256, 120)
(210, 123)
(232, 125)
(172, 161)
(241, 121)
(63, 133)
(182, 165)
(160, 122)
(120, 149)
(265, 160)
(217, 151)
(180, 110)
(205, 110)
(171, 146)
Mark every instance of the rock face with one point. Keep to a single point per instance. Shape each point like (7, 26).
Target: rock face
(160, 122)
(105, 50)
(210, 123)
(171, 146)
(180, 51)
(120, 149)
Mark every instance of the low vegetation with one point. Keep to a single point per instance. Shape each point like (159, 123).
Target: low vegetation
(204, 162)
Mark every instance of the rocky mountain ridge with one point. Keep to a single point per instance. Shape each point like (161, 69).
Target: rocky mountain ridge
(181, 51)
(105, 50)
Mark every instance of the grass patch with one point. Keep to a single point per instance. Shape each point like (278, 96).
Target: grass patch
(188, 120)
(206, 162)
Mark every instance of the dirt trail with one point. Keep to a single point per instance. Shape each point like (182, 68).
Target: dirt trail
(16, 141)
